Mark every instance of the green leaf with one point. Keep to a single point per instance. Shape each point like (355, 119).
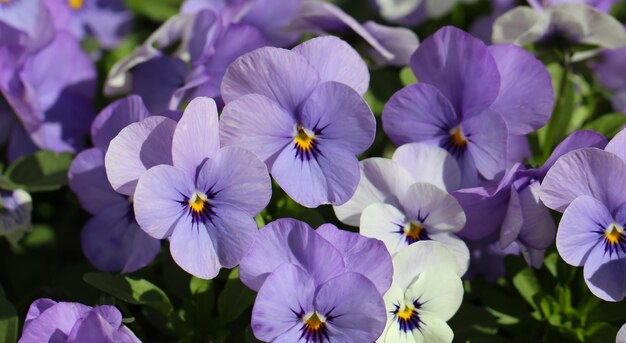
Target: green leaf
(131, 290)
(234, 299)
(8, 320)
(43, 171)
(527, 285)
(157, 10)
(407, 77)
(203, 295)
(608, 125)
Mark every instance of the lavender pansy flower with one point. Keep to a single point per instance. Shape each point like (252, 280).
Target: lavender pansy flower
(15, 214)
(469, 101)
(413, 12)
(293, 306)
(51, 321)
(482, 27)
(111, 240)
(301, 111)
(106, 20)
(426, 292)
(579, 23)
(204, 200)
(323, 253)
(512, 208)
(53, 102)
(588, 186)
(602, 5)
(29, 17)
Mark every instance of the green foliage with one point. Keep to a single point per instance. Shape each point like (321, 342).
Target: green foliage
(234, 299)
(158, 11)
(43, 171)
(8, 320)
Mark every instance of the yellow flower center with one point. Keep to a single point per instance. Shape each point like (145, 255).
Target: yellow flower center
(197, 202)
(75, 4)
(413, 230)
(405, 314)
(458, 138)
(5, 1)
(304, 139)
(613, 234)
(314, 322)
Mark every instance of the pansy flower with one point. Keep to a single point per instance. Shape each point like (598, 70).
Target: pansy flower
(51, 321)
(401, 202)
(426, 292)
(292, 307)
(301, 111)
(578, 22)
(323, 253)
(589, 187)
(15, 213)
(186, 188)
(111, 240)
(469, 100)
(610, 71)
(413, 12)
(107, 21)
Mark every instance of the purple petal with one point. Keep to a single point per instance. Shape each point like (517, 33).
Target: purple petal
(342, 117)
(484, 211)
(136, 148)
(357, 307)
(281, 75)
(201, 249)
(258, 124)
(487, 143)
(526, 95)
(418, 113)
(605, 274)
(54, 324)
(336, 60)
(113, 241)
(113, 118)
(577, 236)
(287, 292)
(92, 328)
(400, 41)
(617, 145)
(611, 68)
(88, 180)
(538, 231)
(271, 17)
(196, 137)
(157, 79)
(331, 177)
(460, 66)
(363, 255)
(157, 199)
(587, 171)
(381, 181)
(37, 308)
(576, 140)
(289, 241)
(238, 178)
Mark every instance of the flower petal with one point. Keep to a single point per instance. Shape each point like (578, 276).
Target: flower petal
(438, 209)
(430, 164)
(439, 291)
(381, 180)
(342, 117)
(116, 116)
(336, 60)
(196, 137)
(137, 148)
(281, 75)
(384, 222)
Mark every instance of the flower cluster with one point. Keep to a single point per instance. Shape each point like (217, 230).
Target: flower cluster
(240, 125)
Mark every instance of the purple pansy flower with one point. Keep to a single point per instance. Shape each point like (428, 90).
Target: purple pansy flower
(32, 18)
(512, 208)
(323, 253)
(589, 187)
(188, 189)
(111, 239)
(602, 5)
(53, 101)
(15, 214)
(469, 100)
(293, 306)
(301, 111)
(51, 321)
(106, 20)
